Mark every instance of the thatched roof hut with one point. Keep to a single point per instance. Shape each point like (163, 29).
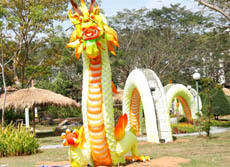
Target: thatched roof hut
(226, 91)
(31, 97)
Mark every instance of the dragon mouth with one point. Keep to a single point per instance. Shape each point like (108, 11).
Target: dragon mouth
(91, 33)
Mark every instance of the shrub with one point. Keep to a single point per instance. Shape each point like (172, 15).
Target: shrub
(183, 128)
(216, 99)
(17, 141)
(59, 112)
(220, 123)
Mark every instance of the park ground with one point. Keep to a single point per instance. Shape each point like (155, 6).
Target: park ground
(190, 151)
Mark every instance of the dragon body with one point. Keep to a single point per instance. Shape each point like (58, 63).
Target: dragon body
(103, 144)
(99, 142)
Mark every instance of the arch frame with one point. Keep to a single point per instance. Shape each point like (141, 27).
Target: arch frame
(189, 95)
(153, 102)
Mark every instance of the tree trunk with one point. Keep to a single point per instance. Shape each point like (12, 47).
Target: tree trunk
(4, 83)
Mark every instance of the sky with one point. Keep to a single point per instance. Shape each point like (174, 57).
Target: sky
(111, 7)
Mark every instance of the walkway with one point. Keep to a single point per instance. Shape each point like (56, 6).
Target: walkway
(214, 130)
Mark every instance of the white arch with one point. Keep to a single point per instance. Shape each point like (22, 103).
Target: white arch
(194, 105)
(189, 94)
(153, 102)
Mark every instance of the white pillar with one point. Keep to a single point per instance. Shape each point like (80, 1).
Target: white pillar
(36, 112)
(27, 119)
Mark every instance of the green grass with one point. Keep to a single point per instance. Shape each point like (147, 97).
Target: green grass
(53, 140)
(201, 151)
(45, 127)
(35, 160)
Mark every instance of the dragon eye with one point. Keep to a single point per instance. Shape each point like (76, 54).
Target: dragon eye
(92, 16)
(80, 18)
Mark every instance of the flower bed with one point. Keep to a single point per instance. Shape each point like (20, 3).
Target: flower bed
(183, 128)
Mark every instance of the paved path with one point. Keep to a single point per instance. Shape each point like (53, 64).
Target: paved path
(214, 130)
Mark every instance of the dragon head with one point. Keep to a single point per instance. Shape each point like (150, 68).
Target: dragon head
(91, 31)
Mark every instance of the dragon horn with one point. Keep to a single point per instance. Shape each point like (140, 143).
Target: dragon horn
(91, 6)
(75, 7)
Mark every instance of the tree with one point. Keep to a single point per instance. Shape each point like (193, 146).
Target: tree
(165, 40)
(216, 55)
(29, 22)
(220, 103)
(2, 63)
(207, 99)
(222, 7)
(60, 71)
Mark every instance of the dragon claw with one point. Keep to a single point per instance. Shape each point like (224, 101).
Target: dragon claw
(63, 135)
(68, 131)
(141, 158)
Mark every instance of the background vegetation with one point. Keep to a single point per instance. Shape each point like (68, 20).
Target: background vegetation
(172, 41)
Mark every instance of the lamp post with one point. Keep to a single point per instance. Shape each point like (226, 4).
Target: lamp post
(196, 77)
(189, 87)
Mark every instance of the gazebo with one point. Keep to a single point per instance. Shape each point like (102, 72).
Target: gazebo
(33, 97)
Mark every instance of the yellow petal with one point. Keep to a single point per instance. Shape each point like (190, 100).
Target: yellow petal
(80, 49)
(73, 44)
(111, 31)
(74, 36)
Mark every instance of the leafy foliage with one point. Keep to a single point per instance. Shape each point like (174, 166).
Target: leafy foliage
(220, 123)
(27, 22)
(172, 41)
(207, 95)
(218, 102)
(221, 7)
(57, 112)
(165, 40)
(17, 141)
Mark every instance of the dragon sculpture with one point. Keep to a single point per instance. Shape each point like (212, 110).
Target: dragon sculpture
(98, 142)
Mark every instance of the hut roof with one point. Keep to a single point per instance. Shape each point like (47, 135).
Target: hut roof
(226, 91)
(31, 97)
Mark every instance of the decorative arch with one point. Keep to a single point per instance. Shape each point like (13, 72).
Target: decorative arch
(143, 89)
(196, 99)
(183, 95)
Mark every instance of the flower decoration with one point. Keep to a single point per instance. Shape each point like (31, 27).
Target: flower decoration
(91, 31)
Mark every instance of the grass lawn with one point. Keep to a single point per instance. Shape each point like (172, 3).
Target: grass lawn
(52, 140)
(201, 152)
